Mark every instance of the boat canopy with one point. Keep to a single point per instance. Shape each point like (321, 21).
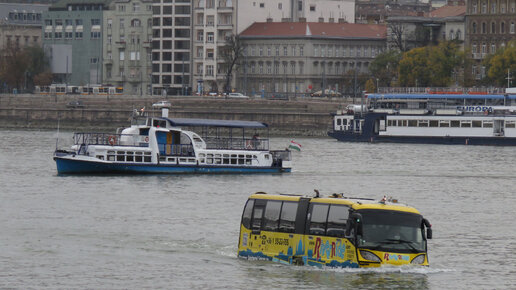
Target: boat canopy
(438, 96)
(215, 123)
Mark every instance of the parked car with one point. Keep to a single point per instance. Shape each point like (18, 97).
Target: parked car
(162, 104)
(237, 95)
(75, 104)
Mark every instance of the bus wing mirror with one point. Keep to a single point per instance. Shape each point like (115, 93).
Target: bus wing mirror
(428, 228)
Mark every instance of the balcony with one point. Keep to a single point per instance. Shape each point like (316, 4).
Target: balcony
(120, 44)
(225, 8)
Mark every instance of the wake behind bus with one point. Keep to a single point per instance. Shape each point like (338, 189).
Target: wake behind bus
(333, 231)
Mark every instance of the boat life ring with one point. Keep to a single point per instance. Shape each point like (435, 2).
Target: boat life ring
(248, 144)
(112, 140)
(147, 139)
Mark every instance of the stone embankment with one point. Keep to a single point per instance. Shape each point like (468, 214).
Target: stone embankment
(299, 117)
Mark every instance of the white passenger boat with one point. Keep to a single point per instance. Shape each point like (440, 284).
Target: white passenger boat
(161, 145)
(430, 118)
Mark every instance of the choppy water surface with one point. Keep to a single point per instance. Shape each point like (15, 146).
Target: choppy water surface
(182, 231)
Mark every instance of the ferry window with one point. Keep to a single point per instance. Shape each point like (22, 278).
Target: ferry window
(337, 219)
(476, 124)
(412, 123)
(318, 215)
(271, 216)
(246, 216)
(147, 159)
(434, 123)
(339, 122)
(288, 217)
(488, 124)
(403, 123)
(465, 124)
(455, 123)
(423, 123)
(510, 124)
(444, 124)
(391, 122)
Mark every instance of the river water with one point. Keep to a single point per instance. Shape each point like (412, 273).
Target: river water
(181, 232)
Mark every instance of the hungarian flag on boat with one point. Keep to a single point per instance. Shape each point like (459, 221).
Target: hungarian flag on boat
(294, 146)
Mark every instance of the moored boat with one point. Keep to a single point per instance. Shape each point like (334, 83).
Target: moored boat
(429, 119)
(161, 145)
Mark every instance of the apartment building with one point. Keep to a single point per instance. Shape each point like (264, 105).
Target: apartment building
(489, 25)
(298, 58)
(127, 37)
(20, 24)
(72, 38)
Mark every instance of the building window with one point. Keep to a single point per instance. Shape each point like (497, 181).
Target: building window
(277, 50)
(502, 8)
(136, 7)
(121, 8)
(260, 51)
(93, 60)
(122, 55)
(300, 5)
(269, 68)
(260, 68)
(78, 35)
(493, 7)
(95, 22)
(285, 51)
(502, 27)
(493, 27)
(95, 34)
(268, 51)
(512, 27)
(293, 51)
(474, 8)
(484, 8)
(474, 27)
(458, 35)
(262, 5)
(484, 48)
(300, 51)
(312, 8)
(78, 22)
(210, 37)
(474, 48)
(280, 6)
(493, 48)
(484, 30)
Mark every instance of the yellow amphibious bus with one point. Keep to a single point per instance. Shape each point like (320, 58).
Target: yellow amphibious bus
(332, 231)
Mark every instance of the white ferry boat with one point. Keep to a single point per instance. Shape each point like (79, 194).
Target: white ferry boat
(488, 119)
(160, 145)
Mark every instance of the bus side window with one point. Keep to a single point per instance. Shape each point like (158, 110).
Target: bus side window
(288, 217)
(318, 216)
(337, 219)
(246, 216)
(256, 222)
(271, 216)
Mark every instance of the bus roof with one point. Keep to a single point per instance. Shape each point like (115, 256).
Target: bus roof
(355, 203)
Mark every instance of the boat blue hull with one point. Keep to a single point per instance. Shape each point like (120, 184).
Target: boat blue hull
(493, 141)
(68, 166)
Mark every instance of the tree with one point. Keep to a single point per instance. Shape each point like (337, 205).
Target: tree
(503, 61)
(231, 53)
(398, 34)
(384, 67)
(19, 66)
(370, 87)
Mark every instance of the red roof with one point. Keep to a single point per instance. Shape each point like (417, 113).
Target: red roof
(447, 11)
(315, 29)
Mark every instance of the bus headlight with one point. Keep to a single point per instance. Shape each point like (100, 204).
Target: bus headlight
(369, 256)
(420, 259)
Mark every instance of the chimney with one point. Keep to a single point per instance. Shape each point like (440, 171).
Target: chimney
(321, 19)
(302, 19)
(269, 19)
(331, 20)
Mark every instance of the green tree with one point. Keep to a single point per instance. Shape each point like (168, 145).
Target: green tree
(502, 61)
(384, 67)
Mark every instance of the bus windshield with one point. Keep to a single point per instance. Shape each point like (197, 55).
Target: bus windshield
(391, 231)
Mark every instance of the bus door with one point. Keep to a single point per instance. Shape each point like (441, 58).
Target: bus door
(326, 242)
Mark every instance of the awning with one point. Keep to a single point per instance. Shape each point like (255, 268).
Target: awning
(214, 123)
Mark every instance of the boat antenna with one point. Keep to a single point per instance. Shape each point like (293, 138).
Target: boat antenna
(57, 135)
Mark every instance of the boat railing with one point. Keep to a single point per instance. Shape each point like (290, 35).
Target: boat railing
(285, 155)
(106, 139)
(176, 149)
(237, 143)
(441, 90)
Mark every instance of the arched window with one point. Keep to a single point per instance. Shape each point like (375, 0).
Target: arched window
(484, 28)
(458, 35)
(451, 34)
(136, 23)
(502, 27)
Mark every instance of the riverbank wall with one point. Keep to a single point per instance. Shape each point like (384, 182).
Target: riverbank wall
(295, 117)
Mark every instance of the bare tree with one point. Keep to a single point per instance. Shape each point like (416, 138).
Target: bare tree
(231, 53)
(397, 33)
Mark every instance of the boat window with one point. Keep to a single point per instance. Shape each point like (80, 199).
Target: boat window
(147, 158)
(130, 157)
(510, 124)
(444, 124)
(218, 160)
(391, 123)
(465, 124)
(288, 217)
(196, 138)
(159, 123)
(246, 216)
(171, 159)
(318, 215)
(476, 124)
(434, 123)
(412, 123)
(120, 157)
(337, 219)
(423, 123)
(138, 158)
(455, 123)
(344, 122)
(403, 123)
(339, 122)
(271, 216)
(488, 124)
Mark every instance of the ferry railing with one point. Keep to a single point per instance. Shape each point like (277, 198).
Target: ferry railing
(176, 149)
(285, 155)
(237, 143)
(105, 139)
(440, 90)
